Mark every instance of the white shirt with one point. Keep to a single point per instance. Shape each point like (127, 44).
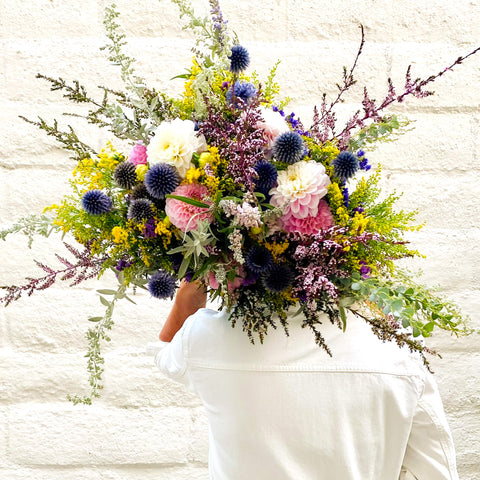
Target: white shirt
(286, 410)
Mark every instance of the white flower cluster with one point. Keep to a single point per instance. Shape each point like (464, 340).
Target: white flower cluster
(175, 143)
(235, 239)
(244, 215)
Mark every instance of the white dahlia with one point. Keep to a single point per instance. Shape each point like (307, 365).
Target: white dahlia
(299, 189)
(174, 143)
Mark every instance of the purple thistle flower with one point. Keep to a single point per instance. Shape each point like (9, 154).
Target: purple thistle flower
(278, 278)
(243, 91)
(288, 147)
(96, 202)
(345, 165)
(162, 284)
(267, 177)
(239, 59)
(259, 260)
(161, 180)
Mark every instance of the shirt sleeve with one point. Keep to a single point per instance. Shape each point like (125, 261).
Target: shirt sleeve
(172, 357)
(430, 453)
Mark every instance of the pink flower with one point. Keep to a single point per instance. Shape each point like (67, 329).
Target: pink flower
(299, 188)
(186, 216)
(311, 224)
(138, 155)
(272, 125)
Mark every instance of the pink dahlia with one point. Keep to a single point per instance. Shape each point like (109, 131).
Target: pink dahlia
(186, 216)
(300, 188)
(138, 155)
(312, 224)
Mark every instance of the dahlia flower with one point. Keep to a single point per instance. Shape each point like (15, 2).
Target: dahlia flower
(300, 188)
(273, 125)
(183, 215)
(311, 224)
(174, 143)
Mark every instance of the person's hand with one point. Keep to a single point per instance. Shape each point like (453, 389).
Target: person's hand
(189, 298)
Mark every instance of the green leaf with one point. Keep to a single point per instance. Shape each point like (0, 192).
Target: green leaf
(397, 305)
(343, 317)
(183, 267)
(429, 326)
(190, 201)
(105, 302)
(356, 286)
(130, 300)
(95, 319)
(182, 75)
(105, 291)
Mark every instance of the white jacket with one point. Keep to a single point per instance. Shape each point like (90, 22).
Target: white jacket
(285, 410)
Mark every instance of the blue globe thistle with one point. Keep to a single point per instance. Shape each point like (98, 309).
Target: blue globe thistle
(96, 202)
(278, 278)
(239, 59)
(267, 177)
(161, 179)
(345, 165)
(140, 210)
(139, 191)
(243, 91)
(125, 175)
(259, 260)
(288, 147)
(162, 284)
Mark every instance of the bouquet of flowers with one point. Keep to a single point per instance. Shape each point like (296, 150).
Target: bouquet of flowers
(222, 186)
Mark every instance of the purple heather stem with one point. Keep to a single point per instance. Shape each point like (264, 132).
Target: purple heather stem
(412, 87)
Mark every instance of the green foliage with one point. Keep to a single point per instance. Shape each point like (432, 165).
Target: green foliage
(68, 139)
(31, 226)
(410, 303)
(383, 219)
(386, 129)
(95, 336)
(213, 44)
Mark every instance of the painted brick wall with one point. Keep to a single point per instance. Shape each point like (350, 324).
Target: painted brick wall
(146, 427)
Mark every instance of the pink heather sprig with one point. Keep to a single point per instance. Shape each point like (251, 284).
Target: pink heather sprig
(240, 141)
(371, 110)
(85, 268)
(324, 125)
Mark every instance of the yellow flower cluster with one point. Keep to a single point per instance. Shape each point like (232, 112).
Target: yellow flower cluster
(188, 99)
(217, 166)
(330, 151)
(120, 235)
(359, 223)
(276, 249)
(193, 175)
(90, 173)
(162, 230)
(337, 206)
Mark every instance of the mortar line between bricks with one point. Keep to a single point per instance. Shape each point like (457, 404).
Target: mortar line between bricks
(113, 466)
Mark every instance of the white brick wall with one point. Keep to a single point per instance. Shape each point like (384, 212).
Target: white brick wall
(145, 426)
